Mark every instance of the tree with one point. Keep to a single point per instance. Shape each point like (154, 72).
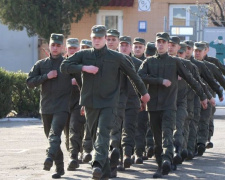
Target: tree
(215, 11)
(43, 17)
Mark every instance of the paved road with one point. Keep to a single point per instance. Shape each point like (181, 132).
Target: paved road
(22, 153)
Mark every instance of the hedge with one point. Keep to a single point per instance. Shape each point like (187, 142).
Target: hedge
(15, 95)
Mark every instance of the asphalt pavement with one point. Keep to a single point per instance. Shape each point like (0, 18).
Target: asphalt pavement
(23, 144)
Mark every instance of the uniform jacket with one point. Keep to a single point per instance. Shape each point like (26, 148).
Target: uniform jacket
(102, 89)
(55, 93)
(158, 67)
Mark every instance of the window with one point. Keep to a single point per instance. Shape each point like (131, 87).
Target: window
(112, 19)
(186, 15)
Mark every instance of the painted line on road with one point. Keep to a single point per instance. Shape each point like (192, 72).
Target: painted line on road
(15, 151)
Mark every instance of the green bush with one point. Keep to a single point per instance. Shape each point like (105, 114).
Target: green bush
(5, 93)
(15, 95)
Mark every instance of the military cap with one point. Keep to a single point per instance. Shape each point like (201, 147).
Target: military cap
(183, 47)
(113, 32)
(56, 38)
(174, 39)
(189, 43)
(206, 43)
(72, 42)
(139, 40)
(86, 42)
(162, 35)
(126, 39)
(199, 46)
(220, 37)
(150, 48)
(98, 31)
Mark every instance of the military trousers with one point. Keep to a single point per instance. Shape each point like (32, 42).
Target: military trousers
(87, 142)
(181, 116)
(67, 133)
(149, 138)
(211, 123)
(100, 122)
(116, 132)
(128, 131)
(76, 132)
(140, 133)
(162, 124)
(193, 126)
(53, 127)
(203, 125)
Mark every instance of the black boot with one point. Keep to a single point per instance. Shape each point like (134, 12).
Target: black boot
(150, 152)
(177, 159)
(201, 149)
(184, 154)
(209, 145)
(96, 171)
(190, 156)
(73, 165)
(166, 167)
(48, 164)
(158, 173)
(87, 157)
(114, 157)
(59, 172)
(127, 162)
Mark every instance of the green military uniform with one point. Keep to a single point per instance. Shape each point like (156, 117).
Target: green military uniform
(162, 107)
(141, 129)
(99, 95)
(220, 48)
(54, 100)
(208, 77)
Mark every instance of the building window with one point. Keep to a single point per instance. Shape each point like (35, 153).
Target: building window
(112, 19)
(187, 15)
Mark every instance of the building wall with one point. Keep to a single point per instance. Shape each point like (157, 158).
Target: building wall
(131, 16)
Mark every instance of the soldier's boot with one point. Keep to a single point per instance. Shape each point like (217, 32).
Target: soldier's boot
(138, 160)
(73, 165)
(96, 171)
(177, 159)
(201, 149)
(59, 172)
(190, 156)
(158, 173)
(80, 158)
(120, 167)
(113, 172)
(150, 152)
(86, 157)
(144, 157)
(127, 162)
(209, 145)
(114, 157)
(166, 167)
(48, 164)
(184, 154)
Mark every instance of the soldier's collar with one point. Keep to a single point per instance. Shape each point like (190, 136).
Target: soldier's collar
(160, 56)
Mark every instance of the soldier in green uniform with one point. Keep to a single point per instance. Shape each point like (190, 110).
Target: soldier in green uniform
(54, 100)
(76, 121)
(160, 72)
(203, 125)
(132, 106)
(100, 69)
(220, 48)
(87, 142)
(150, 50)
(141, 130)
(222, 69)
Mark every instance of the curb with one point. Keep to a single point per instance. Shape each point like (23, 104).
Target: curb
(19, 119)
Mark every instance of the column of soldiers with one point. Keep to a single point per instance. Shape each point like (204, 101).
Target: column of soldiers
(99, 94)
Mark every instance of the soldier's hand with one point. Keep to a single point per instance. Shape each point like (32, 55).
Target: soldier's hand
(82, 111)
(74, 81)
(179, 78)
(52, 74)
(166, 82)
(215, 40)
(143, 106)
(221, 99)
(212, 101)
(90, 69)
(204, 104)
(145, 98)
